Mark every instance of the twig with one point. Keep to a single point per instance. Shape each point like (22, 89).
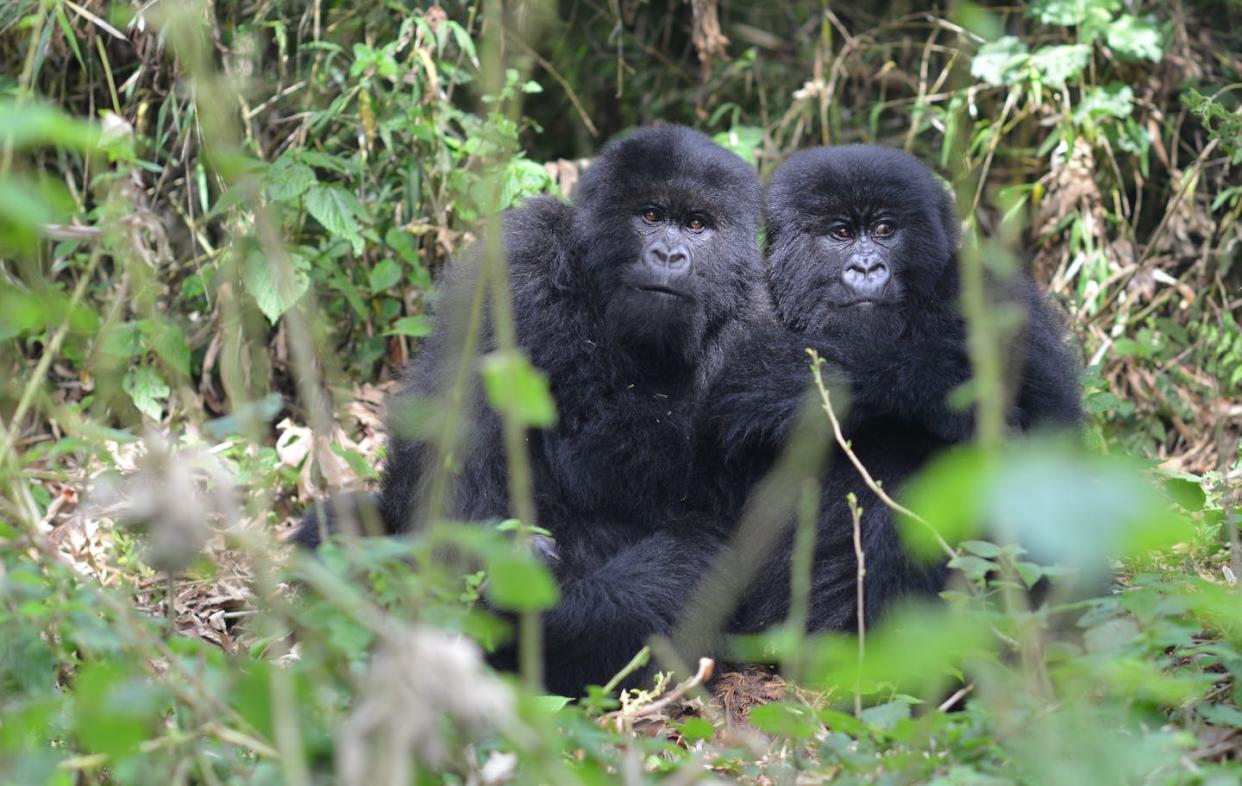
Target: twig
(569, 91)
(960, 694)
(856, 515)
(637, 662)
(706, 666)
(816, 363)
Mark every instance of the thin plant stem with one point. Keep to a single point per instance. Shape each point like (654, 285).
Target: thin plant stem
(861, 574)
(826, 402)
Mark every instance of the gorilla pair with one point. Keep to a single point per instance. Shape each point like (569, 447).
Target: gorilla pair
(678, 367)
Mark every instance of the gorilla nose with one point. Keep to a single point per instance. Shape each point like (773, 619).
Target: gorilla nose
(865, 276)
(673, 259)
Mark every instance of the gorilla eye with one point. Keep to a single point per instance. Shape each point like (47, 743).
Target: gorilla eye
(883, 229)
(841, 232)
(696, 224)
(652, 215)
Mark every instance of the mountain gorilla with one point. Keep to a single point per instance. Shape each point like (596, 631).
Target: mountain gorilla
(628, 301)
(863, 266)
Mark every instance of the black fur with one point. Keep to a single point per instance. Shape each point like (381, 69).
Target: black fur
(614, 478)
(900, 356)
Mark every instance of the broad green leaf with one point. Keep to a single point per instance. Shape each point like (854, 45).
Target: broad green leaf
(169, 343)
(1000, 62)
(288, 179)
(946, 494)
(742, 140)
(384, 276)
(1135, 38)
(403, 244)
(148, 390)
(785, 720)
(696, 729)
(551, 703)
(516, 581)
(338, 211)
(116, 708)
(517, 388)
(973, 567)
(246, 418)
(417, 326)
(523, 178)
(944, 638)
(1116, 100)
(1057, 64)
(464, 42)
(360, 464)
(886, 716)
(274, 291)
(1221, 715)
(1072, 12)
(34, 124)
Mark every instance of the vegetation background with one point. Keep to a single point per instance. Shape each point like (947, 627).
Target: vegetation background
(220, 227)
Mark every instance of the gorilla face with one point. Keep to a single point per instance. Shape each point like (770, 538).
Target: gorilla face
(862, 238)
(667, 219)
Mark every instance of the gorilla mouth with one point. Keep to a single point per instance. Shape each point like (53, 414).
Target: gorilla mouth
(662, 290)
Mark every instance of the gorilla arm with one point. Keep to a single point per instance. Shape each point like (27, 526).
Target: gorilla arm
(765, 385)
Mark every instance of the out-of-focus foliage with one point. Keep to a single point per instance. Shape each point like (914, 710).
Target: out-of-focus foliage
(221, 224)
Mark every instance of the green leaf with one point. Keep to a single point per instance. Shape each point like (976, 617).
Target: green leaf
(742, 140)
(1186, 490)
(1221, 715)
(1072, 12)
(1136, 38)
(418, 326)
(464, 42)
(946, 494)
(25, 125)
(1111, 637)
(247, 418)
(981, 548)
(517, 388)
(384, 276)
(696, 729)
(338, 211)
(550, 703)
(523, 178)
(785, 720)
(116, 709)
(288, 179)
(360, 464)
(403, 243)
(1116, 100)
(973, 567)
(1000, 62)
(516, 581)
(147, 389)
(169, 343)
(1057, 64)
(273, 290)
(886, 716)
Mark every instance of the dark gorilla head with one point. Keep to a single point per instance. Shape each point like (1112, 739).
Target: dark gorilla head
(666, 220)
(860, 237)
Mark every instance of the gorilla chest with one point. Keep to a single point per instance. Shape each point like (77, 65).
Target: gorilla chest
(624, 451)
